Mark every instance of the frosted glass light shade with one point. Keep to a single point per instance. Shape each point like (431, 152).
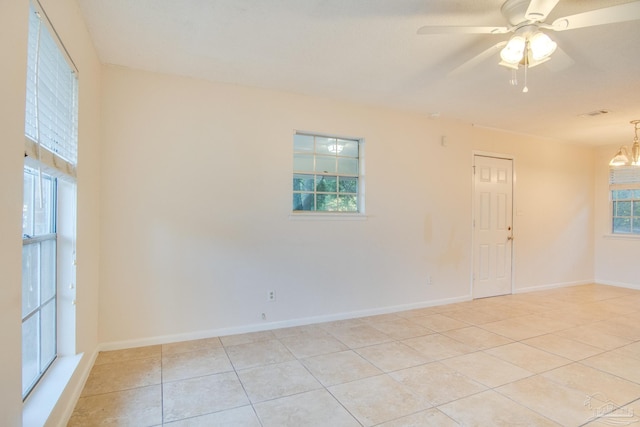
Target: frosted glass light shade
(513, 52)
(541, 46)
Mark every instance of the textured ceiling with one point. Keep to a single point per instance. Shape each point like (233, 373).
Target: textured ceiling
(367, 51)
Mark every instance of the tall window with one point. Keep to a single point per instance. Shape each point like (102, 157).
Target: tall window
(624, 183)
(50, 156)
(326, 174)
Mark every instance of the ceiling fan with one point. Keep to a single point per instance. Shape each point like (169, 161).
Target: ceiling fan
(530, 46)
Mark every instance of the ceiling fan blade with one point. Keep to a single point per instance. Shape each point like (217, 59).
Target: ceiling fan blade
(539, 9)
(476, 60)
(559, 61)
(428, 29)
(607, 15)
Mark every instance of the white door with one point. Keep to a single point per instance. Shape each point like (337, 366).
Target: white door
(492, 226)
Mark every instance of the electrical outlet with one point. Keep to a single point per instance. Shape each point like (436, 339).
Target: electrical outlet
(264, 316)
(429, 282)
(271, 296)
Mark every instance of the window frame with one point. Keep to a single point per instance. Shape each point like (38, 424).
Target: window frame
(623, 178)
(359, 213)
(51, 149)
(39, 239)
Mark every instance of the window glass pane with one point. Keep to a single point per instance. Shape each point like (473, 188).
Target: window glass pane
(47, 269)
(303, 202)
(303, 182)
(621, 225)
(327, 146)
(348, 185)
(30, 275)
(636, 207)
(43, 211)
(303, 162)
(347, 203)
(623, 209)
(326, 202)
(48, 333)
(636, 225)
(349, 147)
(347, 166)
(636, 194)
(30, 356)
(326, 183)
(622, 194)
(303, 143)
(325, 164)
(28, 204)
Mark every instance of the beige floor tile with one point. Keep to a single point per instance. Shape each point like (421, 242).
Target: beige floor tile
(153, 351)
(312, 344)
(429, 418)
(136, 407)
(312, 409)
(520, 328)
(378, 399)
(564, 347)
(244, 416)
(392, 356)
(341, 367)
(493, 409)
(437, 346)
(621, 326)
(607, 413)
(478, 316)
(360, 336)
(437, 382)
(203, 395)
(258, 353)
(595, 336)
(631, 350)
(125, 375)
(616, 363)
(591, 382)
(193, 345)
(308, 330)
(439, 322)
(561, 404)
(274, 381)
(486, 369)
(247, 338)
(477, 338)
(179, 366)
(527, 357)
(400, 328)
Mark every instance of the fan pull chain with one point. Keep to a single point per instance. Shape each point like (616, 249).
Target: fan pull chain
(525, 89)
(514, 78)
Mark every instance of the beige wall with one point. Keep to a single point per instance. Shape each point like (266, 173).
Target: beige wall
(69, 24)
(13, 44)
(196, 200)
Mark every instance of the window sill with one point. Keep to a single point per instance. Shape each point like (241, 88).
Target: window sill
(622, 236)
(329, 216)
(44, 397)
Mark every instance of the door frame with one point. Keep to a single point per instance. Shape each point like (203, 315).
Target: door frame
(514, 213)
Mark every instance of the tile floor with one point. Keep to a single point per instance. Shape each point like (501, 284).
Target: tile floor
(566, 357)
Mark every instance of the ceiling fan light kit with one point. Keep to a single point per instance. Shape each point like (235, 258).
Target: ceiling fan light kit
(628, 156)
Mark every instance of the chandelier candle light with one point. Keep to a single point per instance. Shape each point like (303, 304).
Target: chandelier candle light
(626, 156)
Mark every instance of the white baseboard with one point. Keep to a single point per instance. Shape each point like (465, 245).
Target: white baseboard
(552, 286)
(166, 339)
(618, 284)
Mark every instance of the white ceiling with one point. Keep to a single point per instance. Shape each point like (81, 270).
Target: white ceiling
(368, 51)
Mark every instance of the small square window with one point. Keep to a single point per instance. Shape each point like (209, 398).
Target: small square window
(326, 174)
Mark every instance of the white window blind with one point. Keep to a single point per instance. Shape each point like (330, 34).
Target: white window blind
(51, 119)
(624, 178)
